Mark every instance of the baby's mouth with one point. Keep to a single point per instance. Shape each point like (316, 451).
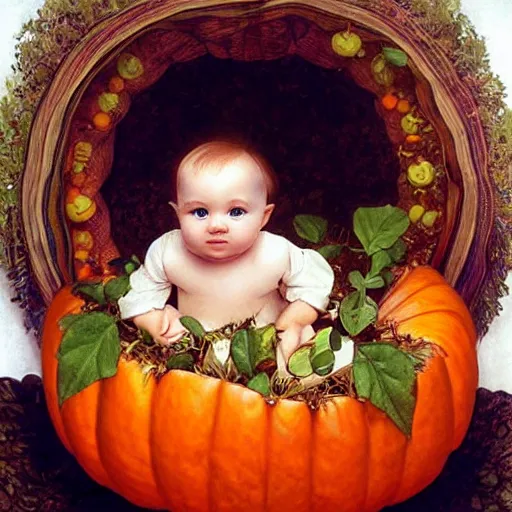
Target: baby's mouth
(216, 241)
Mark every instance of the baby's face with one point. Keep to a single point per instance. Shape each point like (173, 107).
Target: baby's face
(221, 213)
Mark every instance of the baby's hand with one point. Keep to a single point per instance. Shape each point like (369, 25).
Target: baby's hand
(172, 329)
(289, 340)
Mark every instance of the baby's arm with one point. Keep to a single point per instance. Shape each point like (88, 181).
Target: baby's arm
(150, 289)
(309, 281)
(292, 321)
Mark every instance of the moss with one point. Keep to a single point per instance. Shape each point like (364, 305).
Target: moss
(42, 44)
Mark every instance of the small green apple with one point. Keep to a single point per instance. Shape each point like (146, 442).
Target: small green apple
(346, 44)
(81, 209)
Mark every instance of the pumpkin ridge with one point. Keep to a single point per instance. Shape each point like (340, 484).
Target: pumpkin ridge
(387, 448)
(453, 403)
(313, 420)
(401, 470)
(84, 440)
(367, 458)
(97, 434)
(151, 451)
(151, 421)
(417, 474)
(421, 276)
(268, 433)
(99, 395)
(462, 369)
(353, 420)
(218, 397)
(450, 312)
(408, 297)
(65, 303)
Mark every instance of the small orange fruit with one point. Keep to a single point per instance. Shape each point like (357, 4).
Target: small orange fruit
(72, 194)
(102, 121)
(78, 179)
(116, 84)
(81, 255)
(85, 272)
(403, 106)
(389, 101)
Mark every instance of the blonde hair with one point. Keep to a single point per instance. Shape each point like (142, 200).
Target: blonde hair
(219, 153)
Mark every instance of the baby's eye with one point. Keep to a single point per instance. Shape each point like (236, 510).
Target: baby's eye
(237, 212)
(200, 213)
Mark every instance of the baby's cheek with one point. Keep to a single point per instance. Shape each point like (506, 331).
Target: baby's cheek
(189, 233)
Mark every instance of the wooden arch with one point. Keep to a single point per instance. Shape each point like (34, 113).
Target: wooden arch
(444, 97)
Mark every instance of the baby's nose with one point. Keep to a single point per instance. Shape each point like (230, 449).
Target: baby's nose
(217, 224)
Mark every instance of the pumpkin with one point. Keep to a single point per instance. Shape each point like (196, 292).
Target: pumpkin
(194, 443)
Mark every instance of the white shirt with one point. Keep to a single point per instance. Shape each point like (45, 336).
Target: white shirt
(278, 273)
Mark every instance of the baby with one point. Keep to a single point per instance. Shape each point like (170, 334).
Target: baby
(225, 267)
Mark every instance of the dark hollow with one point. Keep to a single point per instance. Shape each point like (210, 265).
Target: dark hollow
(318, 129)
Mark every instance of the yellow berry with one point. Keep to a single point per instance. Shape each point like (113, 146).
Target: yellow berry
(429, 219)
(421, 174)
(416, 212)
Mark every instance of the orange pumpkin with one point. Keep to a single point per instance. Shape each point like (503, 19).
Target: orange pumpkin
(194, 443)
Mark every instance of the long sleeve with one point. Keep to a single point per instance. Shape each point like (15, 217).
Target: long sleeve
(310, 278)
(150, 287)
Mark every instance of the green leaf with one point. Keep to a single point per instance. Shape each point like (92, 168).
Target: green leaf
(117, 287)
(379, 228)
(89, 351)
(310, 227)
(146, 337)
(330, 252)
(130, 267)
(322, 362)
(397, 251)
(356, 280)
(395, 56)
(374, 282)
(260, 383)
(322, 339)
(321, 355)
(193, 325)
(385, 375)
(180, 362)
(380, 259)
(66, 321)
(388, 277)
(356, 318)
(335, 340)
(253, 350)
(91, 291)
(386, 257)
(299, 363)
(262, 352)
(241, 351)
(125, 265)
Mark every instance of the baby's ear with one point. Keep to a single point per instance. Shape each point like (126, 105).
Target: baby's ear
(266, 214)
(174, 206)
